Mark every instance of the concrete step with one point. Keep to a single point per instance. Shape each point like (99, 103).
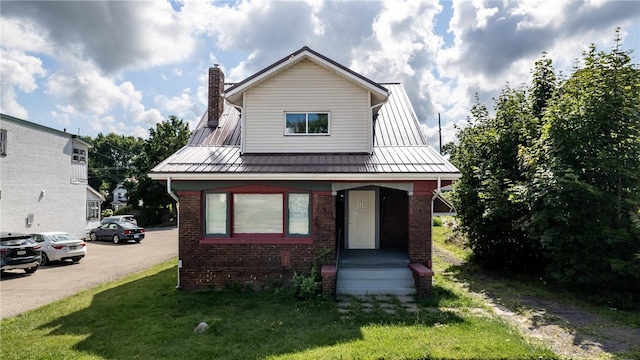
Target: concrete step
(375, 281)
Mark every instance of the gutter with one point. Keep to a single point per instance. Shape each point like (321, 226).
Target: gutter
(175, 197)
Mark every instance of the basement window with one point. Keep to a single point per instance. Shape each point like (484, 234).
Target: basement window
(306, 123)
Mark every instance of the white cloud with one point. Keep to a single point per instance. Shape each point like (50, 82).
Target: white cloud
(18, 71)
(115, 35)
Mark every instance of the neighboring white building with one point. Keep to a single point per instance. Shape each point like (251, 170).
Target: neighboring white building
(119, 198)
(94, 208)
(43, 179)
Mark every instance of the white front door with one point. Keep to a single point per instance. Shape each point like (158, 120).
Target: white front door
(362, 219)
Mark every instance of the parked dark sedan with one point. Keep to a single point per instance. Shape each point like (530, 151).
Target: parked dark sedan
(19, 251)
(117, 232)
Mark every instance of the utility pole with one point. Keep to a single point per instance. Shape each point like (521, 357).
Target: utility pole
(440, 133)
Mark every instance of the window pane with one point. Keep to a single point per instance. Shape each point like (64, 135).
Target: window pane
(298, 206)
(318, 123)
(257, 213)
(216, 215)
(296, 123)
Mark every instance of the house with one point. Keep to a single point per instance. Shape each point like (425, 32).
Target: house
(43, 179)
(302, 159)
(119, 197)
(94, 208)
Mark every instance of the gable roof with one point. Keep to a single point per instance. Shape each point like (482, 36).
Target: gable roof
(234, 93)
(400, 152)
(39, 127)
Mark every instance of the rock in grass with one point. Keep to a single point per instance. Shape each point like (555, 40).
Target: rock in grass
(202, 327)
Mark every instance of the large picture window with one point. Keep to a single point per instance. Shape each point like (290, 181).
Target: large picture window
(284, 214)
(310, 123)
(257, 213)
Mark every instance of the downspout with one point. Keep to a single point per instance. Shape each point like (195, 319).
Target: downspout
(374, 118)
(175, 197)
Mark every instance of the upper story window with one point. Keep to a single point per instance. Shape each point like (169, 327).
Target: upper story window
(310, 123)
(3, 142)
(79, 155)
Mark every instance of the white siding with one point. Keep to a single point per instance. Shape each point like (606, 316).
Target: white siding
(307, 87)
(39, 160)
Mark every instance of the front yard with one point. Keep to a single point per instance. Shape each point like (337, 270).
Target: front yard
(144, 317)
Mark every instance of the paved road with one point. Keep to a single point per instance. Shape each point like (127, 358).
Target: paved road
(104, 262)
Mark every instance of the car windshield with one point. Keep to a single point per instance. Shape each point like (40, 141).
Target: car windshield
(10, 237)
(60, 237)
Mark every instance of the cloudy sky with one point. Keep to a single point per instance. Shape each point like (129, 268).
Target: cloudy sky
(122, 66)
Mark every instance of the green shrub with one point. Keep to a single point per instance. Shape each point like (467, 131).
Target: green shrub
(106, 212)
(308, 286)
(437, 221)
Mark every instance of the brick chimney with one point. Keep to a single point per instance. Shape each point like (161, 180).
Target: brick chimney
(216, 100)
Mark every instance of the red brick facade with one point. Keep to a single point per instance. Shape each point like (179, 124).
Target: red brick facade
(254, 264)
(215, 265)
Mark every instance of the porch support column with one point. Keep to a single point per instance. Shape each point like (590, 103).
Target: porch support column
(420, 237)
(420, 228)
(324, 238)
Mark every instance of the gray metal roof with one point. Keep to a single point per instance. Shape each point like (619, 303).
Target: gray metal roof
(228, 159)
(400, 147)
(397, 123)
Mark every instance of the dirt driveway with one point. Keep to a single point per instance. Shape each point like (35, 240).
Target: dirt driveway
(567, 330)
(104, 262)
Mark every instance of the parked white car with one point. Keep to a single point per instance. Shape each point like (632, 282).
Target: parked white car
(119, 219)
(60, 246)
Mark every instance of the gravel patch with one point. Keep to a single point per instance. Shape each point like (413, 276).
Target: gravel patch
(567, 330)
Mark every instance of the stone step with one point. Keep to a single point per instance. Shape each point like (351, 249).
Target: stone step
(369, 281)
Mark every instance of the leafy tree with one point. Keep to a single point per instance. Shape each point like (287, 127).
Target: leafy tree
(487, 156)
(111, 160)
(167, 138)
(553, 179)
(584, 176)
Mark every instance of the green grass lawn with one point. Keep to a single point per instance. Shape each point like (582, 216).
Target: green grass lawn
(145, 317)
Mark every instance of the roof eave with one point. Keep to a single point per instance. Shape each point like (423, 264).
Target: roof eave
(234, 93)
(305, 176)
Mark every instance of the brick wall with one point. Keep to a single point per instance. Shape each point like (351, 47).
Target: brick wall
(257, 265)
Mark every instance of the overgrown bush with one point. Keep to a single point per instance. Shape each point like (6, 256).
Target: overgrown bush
(437, 221)
(308, 286)
(106, 212)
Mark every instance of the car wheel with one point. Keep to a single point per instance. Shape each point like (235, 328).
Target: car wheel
(93, 236)
(76, 260)
(44, 259)
(31, 270)
(116, 238)
(137, 241)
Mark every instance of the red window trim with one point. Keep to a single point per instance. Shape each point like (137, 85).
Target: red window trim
(244, 238)
(257, 239)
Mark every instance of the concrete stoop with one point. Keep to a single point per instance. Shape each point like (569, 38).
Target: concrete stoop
(390, 304)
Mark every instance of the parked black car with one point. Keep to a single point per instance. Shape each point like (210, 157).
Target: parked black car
(19, 251)
(117, 231)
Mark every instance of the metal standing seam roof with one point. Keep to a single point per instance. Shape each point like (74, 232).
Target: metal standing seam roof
(400, 147)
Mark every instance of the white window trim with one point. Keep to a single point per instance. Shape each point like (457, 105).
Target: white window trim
(79, 155)
(307, 123)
